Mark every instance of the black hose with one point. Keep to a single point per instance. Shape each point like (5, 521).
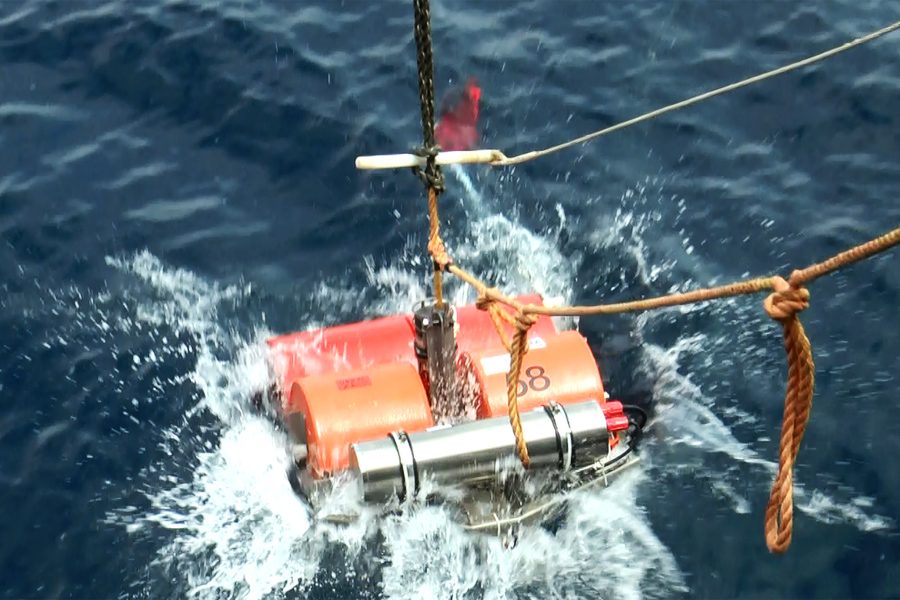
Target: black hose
(637, 412)
(637, 419)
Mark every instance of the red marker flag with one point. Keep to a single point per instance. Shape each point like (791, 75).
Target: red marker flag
(457, 126)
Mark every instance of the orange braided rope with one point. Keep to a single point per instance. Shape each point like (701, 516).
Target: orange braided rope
(517, 351)
(847, 257)
(436, 246)
(498, 316)
(782, 305)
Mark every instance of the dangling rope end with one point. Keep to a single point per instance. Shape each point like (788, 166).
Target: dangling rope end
(517, 351)
(782, 305)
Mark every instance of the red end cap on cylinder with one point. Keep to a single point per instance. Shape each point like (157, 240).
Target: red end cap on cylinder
(615, 417)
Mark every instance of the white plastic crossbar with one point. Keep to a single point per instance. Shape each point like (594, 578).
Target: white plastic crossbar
(406, 161)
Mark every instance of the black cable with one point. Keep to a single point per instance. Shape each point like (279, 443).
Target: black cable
(637, 419)
(626, 408)
(425, 61)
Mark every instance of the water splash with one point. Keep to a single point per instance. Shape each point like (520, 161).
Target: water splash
(692, 405)
(560, 564)
(233, 526)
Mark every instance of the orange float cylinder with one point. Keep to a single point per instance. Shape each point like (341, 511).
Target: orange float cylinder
(560, 368)
(339, 409)
(477, 332)
(345, 347)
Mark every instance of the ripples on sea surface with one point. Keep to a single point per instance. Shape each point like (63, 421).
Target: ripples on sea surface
(177, 183)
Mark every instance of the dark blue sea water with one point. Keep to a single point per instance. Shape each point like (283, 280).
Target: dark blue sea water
(177, 184)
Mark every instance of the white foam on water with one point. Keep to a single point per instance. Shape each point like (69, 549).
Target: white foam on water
(689, 416)
(567, 563)
(686, 416)
(824, 509)
(510, 256)
(473, 201)
(238, 507)
(235, 527)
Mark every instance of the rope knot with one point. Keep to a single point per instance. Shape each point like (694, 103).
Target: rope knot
(524, 320)
(432, 176)
(439, 253)
(498, 315)
(485, 302)
(786, 300)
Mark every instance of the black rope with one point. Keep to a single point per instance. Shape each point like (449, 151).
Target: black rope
(432, 177)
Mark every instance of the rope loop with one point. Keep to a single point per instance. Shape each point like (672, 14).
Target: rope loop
(439, 255)
(518, 349)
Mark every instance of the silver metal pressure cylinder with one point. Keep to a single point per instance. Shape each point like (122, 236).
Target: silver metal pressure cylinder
(557, 437)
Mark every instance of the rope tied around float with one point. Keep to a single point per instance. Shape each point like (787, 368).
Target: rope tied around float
(785, 300)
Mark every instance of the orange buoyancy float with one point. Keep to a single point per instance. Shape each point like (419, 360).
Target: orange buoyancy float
(383, 340)
(347, 407)
(559, 368)
(342, 348)
(360, 381)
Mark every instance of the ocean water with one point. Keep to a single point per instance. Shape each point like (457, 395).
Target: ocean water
(177, 184)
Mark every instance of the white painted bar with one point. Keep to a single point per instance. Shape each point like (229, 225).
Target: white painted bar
(407, 161)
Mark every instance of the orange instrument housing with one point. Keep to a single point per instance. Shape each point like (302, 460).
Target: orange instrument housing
(379, 341)
(358, 382)
(342, 348)
(559, 368)
(342, 408)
